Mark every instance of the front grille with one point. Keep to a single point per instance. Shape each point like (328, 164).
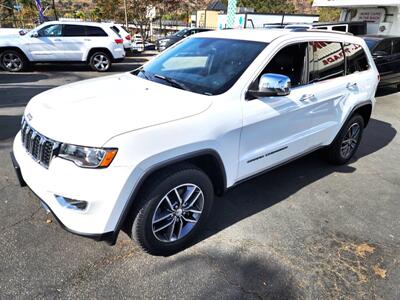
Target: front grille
(40, 148)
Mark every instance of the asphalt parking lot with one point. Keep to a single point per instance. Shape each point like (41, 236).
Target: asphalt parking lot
(307, 230)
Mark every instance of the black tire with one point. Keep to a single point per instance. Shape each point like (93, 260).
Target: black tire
(337, 153)
(13, 61)
(100, 61)
(152, 200)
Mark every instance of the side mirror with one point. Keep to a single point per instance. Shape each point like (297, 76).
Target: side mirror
(35, 34)
(272, 85)
(380, 54)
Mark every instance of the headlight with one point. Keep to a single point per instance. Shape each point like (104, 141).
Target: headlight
(87, 157)
(163, 42)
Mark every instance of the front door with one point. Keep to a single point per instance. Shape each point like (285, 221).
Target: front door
(48, 45)
(276, 129)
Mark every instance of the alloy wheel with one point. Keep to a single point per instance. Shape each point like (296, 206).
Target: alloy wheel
(178, 212)
(101, 62)
(350, 140)
(12, 62)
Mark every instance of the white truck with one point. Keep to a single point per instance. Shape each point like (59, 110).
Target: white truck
(382, 16)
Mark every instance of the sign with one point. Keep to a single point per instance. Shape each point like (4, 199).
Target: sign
(370, 15)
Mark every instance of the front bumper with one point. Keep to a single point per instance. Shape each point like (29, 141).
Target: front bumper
(105, 190)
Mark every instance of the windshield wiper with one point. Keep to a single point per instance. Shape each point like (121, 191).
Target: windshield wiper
(173, 82)
(144, 74)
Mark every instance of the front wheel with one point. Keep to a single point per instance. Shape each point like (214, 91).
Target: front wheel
(172, 210)
(347, 142)
(12, 61)
(100, 62)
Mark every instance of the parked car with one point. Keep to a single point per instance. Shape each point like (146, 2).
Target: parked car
(138, 44)
(207, 115)
(386, 53)
(168, 41)
(92, 43)
(123, 33)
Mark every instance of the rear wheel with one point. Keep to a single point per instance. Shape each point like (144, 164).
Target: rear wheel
(12, 61)
(346, 143)
(172, 210)
(100, 62)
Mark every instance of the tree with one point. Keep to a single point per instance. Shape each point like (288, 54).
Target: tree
(328, 14)
(109, 9)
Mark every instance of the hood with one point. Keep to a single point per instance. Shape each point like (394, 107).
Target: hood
(7, 39)
(91, 112)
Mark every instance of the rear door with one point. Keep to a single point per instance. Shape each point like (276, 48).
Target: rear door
(330, 90)
(48, 45)
(74, 39)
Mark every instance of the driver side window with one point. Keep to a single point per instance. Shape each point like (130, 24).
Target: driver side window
(290, 61)
(50, 31)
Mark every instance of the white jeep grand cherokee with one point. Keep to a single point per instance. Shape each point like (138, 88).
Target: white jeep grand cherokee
(96, 44)
(207, 114)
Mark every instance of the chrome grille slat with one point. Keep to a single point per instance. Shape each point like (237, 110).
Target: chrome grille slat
(39, 147)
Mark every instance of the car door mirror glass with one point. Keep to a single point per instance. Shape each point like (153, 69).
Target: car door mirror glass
(35, 34)
(272, 85)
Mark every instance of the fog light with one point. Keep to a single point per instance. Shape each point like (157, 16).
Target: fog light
(71, 203)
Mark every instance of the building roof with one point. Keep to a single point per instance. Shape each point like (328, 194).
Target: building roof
(355, 3)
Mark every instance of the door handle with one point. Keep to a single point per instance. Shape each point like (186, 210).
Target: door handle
(307, 97)
(351, 86)
(87, 40)
(57, 40)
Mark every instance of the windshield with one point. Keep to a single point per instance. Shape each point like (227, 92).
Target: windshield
(371, 43)
(207, 66)
(181, 32)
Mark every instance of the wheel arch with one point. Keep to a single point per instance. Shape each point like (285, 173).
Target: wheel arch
(14, 48)
(97, 49)
(209, 161)
(365, 110)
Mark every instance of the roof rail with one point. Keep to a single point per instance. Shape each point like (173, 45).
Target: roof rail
(329, 31)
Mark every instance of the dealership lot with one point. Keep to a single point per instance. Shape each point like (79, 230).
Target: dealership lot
(306, 230)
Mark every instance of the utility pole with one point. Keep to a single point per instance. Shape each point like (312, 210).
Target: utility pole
(55, 11)
(126, 15)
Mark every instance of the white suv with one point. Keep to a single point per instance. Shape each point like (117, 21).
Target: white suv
(93, 43)
(209, 113)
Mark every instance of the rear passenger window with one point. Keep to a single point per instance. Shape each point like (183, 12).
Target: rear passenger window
(116, 30)
(329, 61)
(384, 46)
(95, 31)
(356, 59)
(73, 30)
(396, 47)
